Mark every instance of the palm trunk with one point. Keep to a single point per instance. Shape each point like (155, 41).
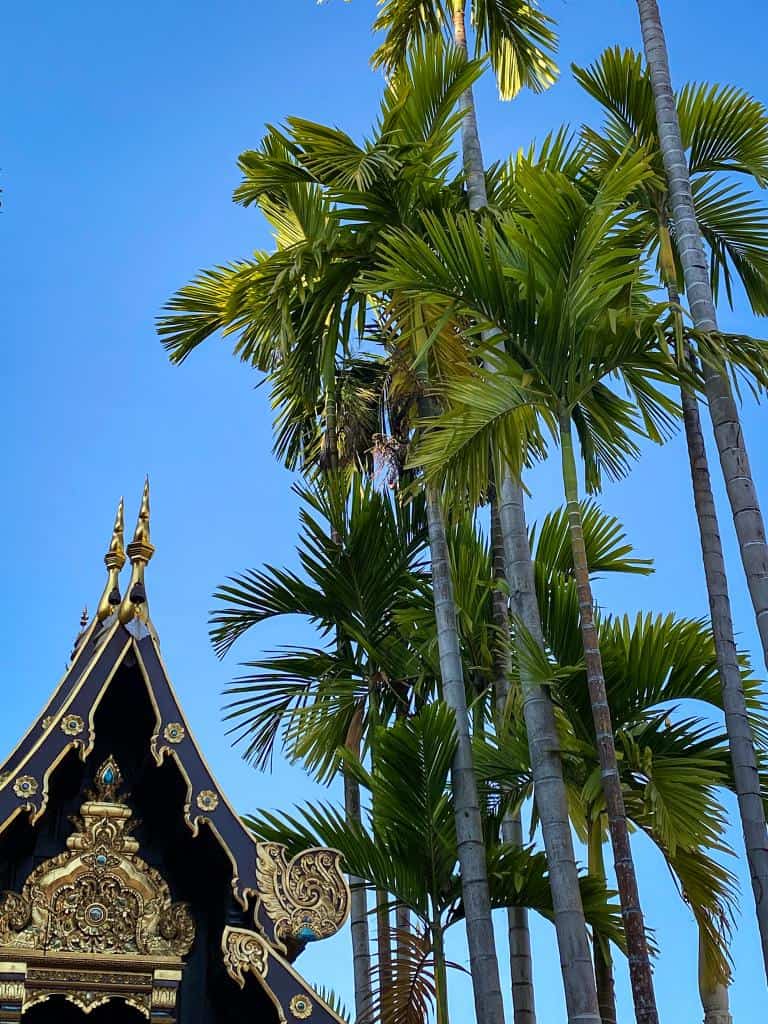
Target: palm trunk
(734, 461)
(606, 993)
(384, 946)
(549, 788)
(361, 940)
(740, 740)
(520, 959)
(331, 433)
(640, 974)
(483, 962)
(714, 997)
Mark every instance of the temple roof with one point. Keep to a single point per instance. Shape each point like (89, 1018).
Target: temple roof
(121, 633)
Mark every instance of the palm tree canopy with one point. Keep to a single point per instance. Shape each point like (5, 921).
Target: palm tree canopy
(518, 37)
(361, 557)
(725, 135)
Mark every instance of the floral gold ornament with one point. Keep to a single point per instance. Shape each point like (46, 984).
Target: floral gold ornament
(306, 898)
(207, 800)
(97, 898)
(25, 786)
(174, 732)
(301, 1007)
(72, 725)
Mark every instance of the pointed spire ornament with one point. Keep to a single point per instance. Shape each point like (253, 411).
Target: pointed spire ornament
(140, 550)
(114, 561)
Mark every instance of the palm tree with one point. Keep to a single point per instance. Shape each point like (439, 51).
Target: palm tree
(555, 279)
(671, 768)
(296, 314)
(742, 493)
(388, 180)
(520, 41)
(722, 129)
(409, 849)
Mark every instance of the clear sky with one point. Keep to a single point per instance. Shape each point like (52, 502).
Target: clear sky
(121, 127)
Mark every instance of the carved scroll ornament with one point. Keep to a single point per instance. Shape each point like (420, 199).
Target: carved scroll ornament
(307, 898)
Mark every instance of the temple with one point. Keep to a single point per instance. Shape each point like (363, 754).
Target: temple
(129, 887)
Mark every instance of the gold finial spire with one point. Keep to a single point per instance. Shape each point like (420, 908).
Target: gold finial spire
(141, 533)
(114, 561)
(140, 550)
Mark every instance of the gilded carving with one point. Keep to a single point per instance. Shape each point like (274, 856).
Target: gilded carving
(244, 951)
(11, 991)
(301, 1007)
(207, 800)
(25, 786)
(98, 897)
(164, 998)
(306, 898)
(174, 732)
(90, 1000)
(72, 725)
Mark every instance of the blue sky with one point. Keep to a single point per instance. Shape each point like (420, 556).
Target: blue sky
(122, 124)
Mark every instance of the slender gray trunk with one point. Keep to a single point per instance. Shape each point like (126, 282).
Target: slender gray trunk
(544, 745)
(734, 461)
(549, 788)
(714, 997)
(361, 939)
(735, 465)
(740, 739)
(484, 967)
(520, 959)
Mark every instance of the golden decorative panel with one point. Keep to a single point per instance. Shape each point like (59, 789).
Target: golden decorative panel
(306, 898)
(98, 898)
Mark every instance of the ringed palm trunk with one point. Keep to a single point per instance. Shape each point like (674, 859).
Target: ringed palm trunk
(547, 769)
(742, 494)
(544, 745)
(520, 960)
(358, 911)
(740, 739)
(484, 967)
(640, 974)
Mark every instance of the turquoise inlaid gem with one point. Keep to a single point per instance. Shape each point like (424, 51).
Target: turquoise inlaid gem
(307, 935)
